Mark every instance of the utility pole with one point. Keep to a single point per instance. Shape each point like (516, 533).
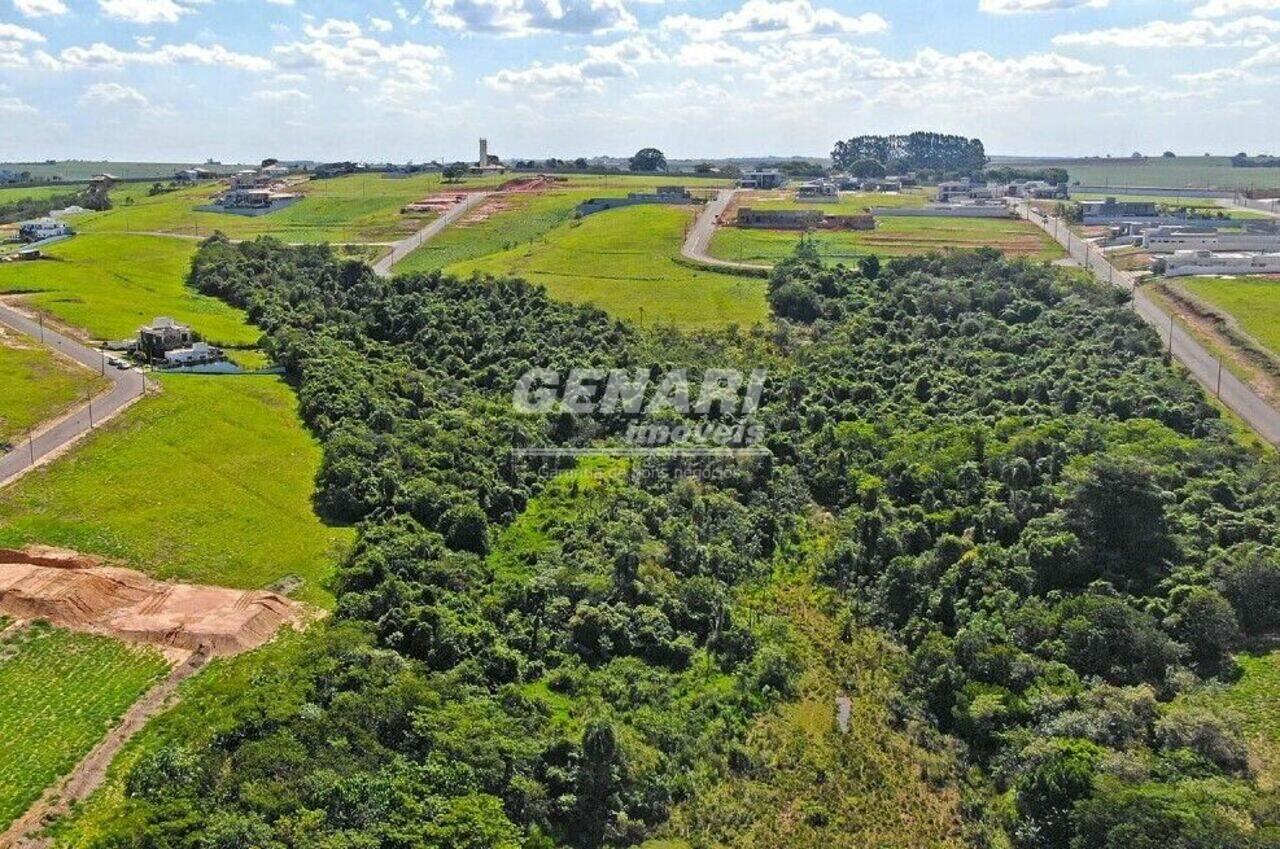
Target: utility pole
(1170, 333)
(1218, 390)
(90, 412)
(31, 448)
(40, 316)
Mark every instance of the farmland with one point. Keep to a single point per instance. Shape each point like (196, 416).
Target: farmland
(624, 261)
(59, 693)
(208, 482)
(893, 236)
(109, 285)
(1254, 302)
(36, 385)
(849, 203)
(9, 195)
(1186, 172)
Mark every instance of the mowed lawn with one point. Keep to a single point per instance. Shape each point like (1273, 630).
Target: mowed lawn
(12, 195)
(850, 203)
(110, 285)
(1254, 302)
(37, 385)
(624, 261)
(893, 236)
(209, 482)
(59, 695)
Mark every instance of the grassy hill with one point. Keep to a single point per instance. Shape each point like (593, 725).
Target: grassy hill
(624, 261)
(208, 482)
(110, 285)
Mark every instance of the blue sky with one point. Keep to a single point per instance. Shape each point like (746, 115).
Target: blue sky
(394, 79)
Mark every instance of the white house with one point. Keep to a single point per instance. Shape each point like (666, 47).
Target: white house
(199, 352)
(1167, 240)
(1186, 263)
(43, 228)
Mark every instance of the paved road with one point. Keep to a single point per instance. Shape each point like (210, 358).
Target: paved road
(704, 227)
(404, 247)
(126, 387)
(1204, 367)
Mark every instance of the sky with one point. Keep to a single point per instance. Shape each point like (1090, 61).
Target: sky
(416, 80)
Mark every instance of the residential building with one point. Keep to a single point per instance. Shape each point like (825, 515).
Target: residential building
(1165, 240)
(762, 178)
(1109, 209)
(161, 336)
(197, 354)
(1186, 263)
(43, 228)
(663, 194)
(823, 191)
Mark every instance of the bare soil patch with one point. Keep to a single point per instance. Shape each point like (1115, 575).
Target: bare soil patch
(83, 593)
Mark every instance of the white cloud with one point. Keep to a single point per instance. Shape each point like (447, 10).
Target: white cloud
(99, 56)
(773, 19)
(525, 17)
(1019, 7)
(144, 11)
(281, 95)
(280, 2)
(1228, 8)
(1266, 57)
(40, 8)
(15, 106)
(1253, 31)
(709, 54)
(380, 25)
(13, 32)
(333, 28)
(618, 60)
(113, 94)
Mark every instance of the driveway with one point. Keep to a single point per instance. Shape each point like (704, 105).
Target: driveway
(404, 247)
(127, 386)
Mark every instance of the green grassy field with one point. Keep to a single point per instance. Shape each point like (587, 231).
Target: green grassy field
(110, 285)
(209, 482)
(356, 208)
(1207, 205)
(624, 261)
(36, 385)
(892, 237)
(59, 694)
(1187, 172)
(39, 192)
(1252, 301)
(515, 219)
(83, 169)
(1252, 698)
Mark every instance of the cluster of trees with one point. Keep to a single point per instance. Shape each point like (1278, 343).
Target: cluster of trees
(1053, 525)
(22, 209)
(921, 152)
(1262, 160)
(648, 159)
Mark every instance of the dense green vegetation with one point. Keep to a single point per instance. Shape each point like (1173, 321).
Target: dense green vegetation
(992, 517)
(933, 153)
(624, 261)
(36, 385)
(209, 481)
(110, 285)
(59, 692)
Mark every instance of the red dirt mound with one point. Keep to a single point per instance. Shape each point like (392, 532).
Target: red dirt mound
(78, 592)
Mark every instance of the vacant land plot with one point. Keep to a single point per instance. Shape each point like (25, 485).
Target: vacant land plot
(36, 385)
(110, 285)
(892, 237)
(624, 261)
(1254, 302)
(209, 483)
(1209, 206)
(59, 694)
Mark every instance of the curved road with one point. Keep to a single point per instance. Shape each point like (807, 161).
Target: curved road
(404, 247)
(127, 386)
(698, 240)
(1204, 367)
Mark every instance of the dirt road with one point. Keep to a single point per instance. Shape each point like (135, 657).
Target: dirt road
(127, 386)
(698, 240)
(404, 247)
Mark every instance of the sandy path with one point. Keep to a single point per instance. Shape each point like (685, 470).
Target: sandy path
(92, 770)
